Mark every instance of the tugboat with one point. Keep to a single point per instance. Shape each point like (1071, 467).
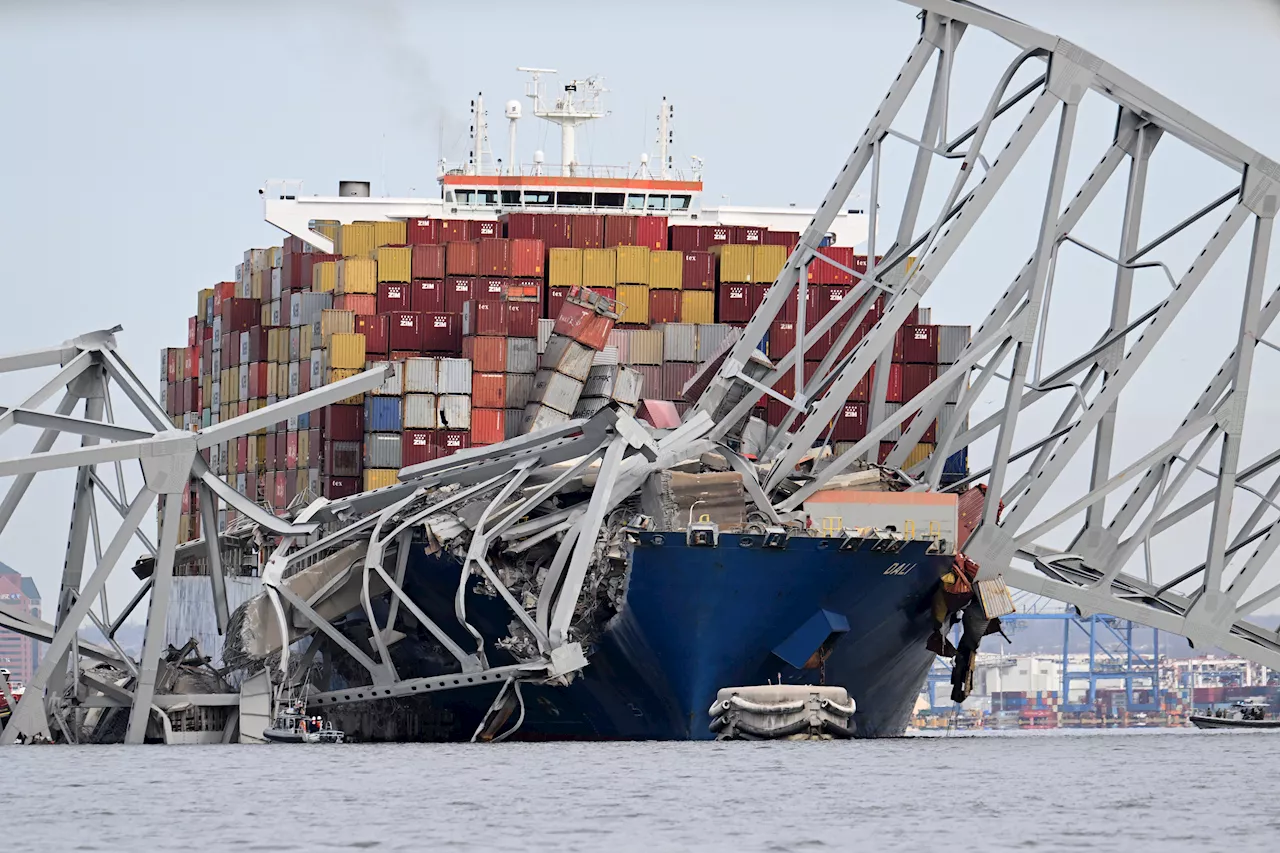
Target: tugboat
(1244, 714)
(294, 725)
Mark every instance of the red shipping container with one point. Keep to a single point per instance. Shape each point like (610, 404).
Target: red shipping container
(488, 391)
(484, 317)
(257, 380)
(422, 232)
(609, 293)
(451, 441)
(929, 436)
(675, 375)
(427, 296)
(357, 303)
(699, 269)
(526, 258)
(394, 297)
(735, 303)
(442, 332)
(488, 426)
(821, 272)
(491, 289)
(191, 331)
(416, 446)
(651, 231)
(487, 354)
(886, 447)
(555, 301)
(341, 422)
(747, 234)
(171, 364)
(587, 232)
(619, 230)
(483, 229)
(295, 272)
(715, 235)
(404, 330)
(278, 499)
(918, 344)
(862, 391)
(492, 257)
(242, 454)
(304, 376)
(454, 230)
(522, 319)
(291, 450)
(520, 225)
(340, 487)
(913, 316)
(583, 325)
(664, 306)
(850, 422)
(553, 229)
(239, 315)
(917, 377)
(525, 290)
(790, 239)
(189, 361)
(427, 262)
(256, 341)
(687, 238)
(462, 258)
(458, 290)
(273, 455)
(223, 290)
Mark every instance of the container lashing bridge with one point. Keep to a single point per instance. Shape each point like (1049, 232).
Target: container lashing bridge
(1055, 537)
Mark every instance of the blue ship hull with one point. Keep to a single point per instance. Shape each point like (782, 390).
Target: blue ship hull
(694, 620)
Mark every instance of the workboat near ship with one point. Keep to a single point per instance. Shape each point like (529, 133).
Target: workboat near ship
(1245, 714)
(294, 725)
(523, 312)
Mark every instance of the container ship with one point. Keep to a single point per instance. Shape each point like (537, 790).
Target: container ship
(465, 295)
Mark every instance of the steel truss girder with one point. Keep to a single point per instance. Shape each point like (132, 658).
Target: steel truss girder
(1041, 502)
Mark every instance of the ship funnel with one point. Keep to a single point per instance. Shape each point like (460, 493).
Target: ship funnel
(353, 189)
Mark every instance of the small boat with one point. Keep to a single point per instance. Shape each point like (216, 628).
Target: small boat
(294, 725)
(1245, 714)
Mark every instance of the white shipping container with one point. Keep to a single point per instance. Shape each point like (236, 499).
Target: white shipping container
(316, 372)
(454, 411)
(679, 341)
(295, 344)
(454, 377)
(522, 355)
(627, 387)
(392, 387)
(243, 383)
(295, 378)
(275, 283)
(217, 332)
(512, 422)
(419, 411)
(244, 349)
(216, 395)
(645, 347)
(608, 355)
(567, 356)
(420, 375)
(711, 337)
(519, 391)
(891, 409)
(544, 334)
(275, 312)
(217, 362)
(164, 395)
(305, 307)
(215, 457)
(924, 316)
(538, 417)
(382, 450)
(946, 415)
(588, 406)
(556, 390)
(951, 343)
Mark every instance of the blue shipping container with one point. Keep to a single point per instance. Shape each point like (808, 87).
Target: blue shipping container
(382, 414)
(957, 463)
(304, 420)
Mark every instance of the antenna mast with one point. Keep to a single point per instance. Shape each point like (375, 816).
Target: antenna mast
(665, 138)
(579, 104)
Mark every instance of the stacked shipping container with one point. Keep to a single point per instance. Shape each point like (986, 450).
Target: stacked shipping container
(456, 305)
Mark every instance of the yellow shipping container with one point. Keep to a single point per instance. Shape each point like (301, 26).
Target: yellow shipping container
(564, 268)
(598, 268)
(306, 339)
(735, 264)
(202, 299)
(334, 374)
(304, 481)
(918, 454)
(273, 346)
(275, 257)
(324, 277)
(356, 240)
(698, 306)
(634, 303)
(632, 266)
(666, 270)
(376, 478)
(265, 317)
(330, 228)
(335, 322)
(273, 385)
(390, 233)
(769, 263)
(255, 284)
(395, 263)
(346, 350)
(304, 447)
(357, 275)
(206, 388)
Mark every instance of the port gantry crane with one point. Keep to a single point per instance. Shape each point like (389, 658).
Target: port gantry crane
(1104, 566)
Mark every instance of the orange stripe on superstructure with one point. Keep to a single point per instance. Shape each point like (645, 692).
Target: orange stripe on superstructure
(562, 182)
(844, 496)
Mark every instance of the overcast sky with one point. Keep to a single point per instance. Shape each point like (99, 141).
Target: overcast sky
(138, 134)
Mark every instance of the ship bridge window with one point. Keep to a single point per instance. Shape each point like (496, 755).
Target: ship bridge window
(657, 202)
(464, 196)
(635, 202)
(680, 202)
(485, 197)
(538, 197)
(510, 197)
(573, 199)
(609, 199)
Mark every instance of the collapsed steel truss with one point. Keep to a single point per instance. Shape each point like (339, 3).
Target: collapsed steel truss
(170, 462)
(1206, 602)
